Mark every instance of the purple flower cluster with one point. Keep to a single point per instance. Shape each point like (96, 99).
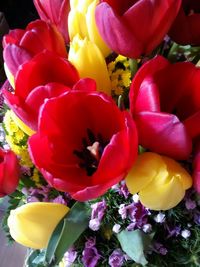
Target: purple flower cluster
(43, 194)
(90, 254)
(117, 258)
(136, 212)
(69, 257)
(122, 189)
(98, 211)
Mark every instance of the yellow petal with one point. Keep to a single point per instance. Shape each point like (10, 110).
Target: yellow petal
(32, 224)
(22, 125)
(77, 24)
(90, 63)
(9, 76)
(93, 32)
(176, 170)
(162, 197)
(147, 166)
(82, 5)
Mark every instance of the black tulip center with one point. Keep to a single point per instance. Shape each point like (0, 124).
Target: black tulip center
(90, 154)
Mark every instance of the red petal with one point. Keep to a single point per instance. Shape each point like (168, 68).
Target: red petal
(163, 133)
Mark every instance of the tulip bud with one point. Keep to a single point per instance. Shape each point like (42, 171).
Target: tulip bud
(89, 61)
(32, 224)
(9, 172)
(81, 20)
(160, 181)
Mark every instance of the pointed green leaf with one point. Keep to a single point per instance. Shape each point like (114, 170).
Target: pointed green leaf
(134, 243)
(67, 232)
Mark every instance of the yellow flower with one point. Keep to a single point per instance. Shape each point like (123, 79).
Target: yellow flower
(32, 224)
(81, 20)
(160, 181)
(90, 63)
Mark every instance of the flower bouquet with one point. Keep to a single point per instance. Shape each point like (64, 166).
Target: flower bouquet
(100, 134)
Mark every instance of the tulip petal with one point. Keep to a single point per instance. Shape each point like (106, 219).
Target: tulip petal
(162, 197)
(172, 138)
(140, 177)
(14, 57)
(89, 61)
(40, 217)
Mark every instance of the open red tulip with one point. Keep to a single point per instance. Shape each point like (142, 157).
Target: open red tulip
(21, 45)
(185, 29)
(165, 103)
(135, 27)
(44, 76)
(88, 143)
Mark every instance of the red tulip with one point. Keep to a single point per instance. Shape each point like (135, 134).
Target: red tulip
(9, 172)
(44, 76)
(21, 45)
(185, 29)
(56, 12)
(165, 102)
(135, 27)
(88, 143)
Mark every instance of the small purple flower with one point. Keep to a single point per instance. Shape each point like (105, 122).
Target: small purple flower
(94, 224)
(137, 214)
(123, 190)
(116, 228)
(185, 233)
(159, 248)
(147, 228)
(197, 217)
(190, 204)
(69, 257)
(160, 218)
(173, 231)
(60, 200)
(116, 259)
(123, 211)
(98, 211)
(91, 242)
(131, 226)
(90, 254)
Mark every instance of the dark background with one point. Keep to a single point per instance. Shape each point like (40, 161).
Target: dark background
(18, 13)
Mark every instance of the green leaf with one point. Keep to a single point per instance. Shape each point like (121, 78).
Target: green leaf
(35, 259)
(134, 243)
(67, 232)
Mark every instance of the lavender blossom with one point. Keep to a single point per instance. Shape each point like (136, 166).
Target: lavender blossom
(159, 248)
(116, 228)
(69, 257)
(98, 211)
(90, 254)
(160, 218)
(116, 259)
(60, 200)
(185, 233)
(94, 224)
(190, 204)
(123, 211)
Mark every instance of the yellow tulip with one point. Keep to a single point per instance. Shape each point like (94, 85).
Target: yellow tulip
(81, 20)
(32, 224)
(22, 125)
(160, 181)
(90, 63)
